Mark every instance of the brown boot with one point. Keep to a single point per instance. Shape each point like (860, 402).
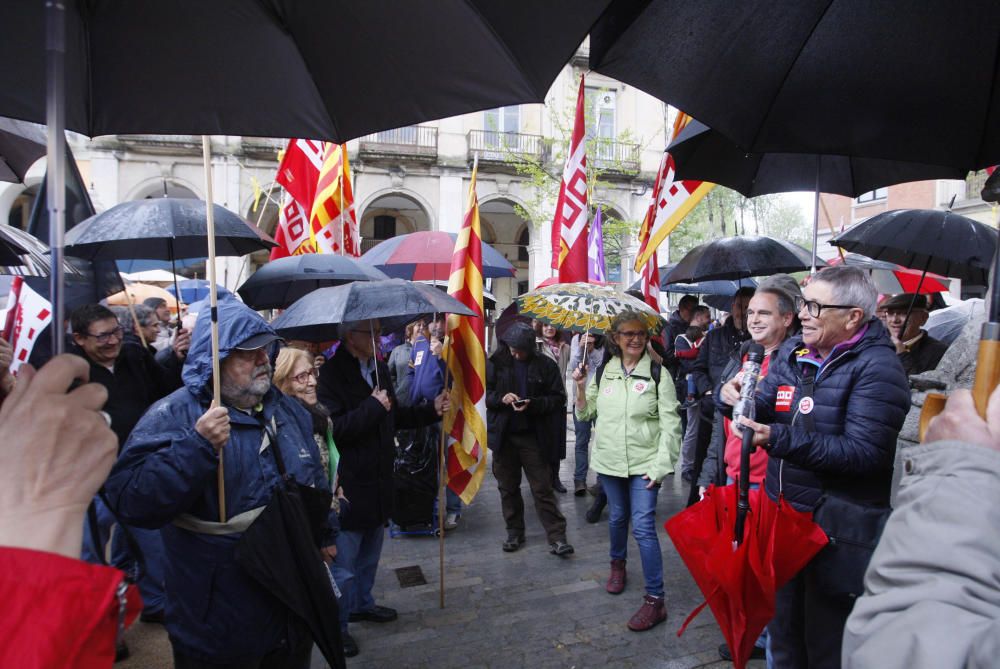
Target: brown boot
(616, 582)
(652, 612)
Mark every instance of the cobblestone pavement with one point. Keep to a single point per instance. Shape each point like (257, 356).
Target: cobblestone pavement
(523, 609)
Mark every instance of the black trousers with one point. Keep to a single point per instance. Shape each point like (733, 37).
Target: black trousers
(296, 656)
(701, 448)
(521, 452)
(808, 625)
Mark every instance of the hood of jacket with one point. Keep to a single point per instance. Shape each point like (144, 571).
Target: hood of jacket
(237, 323)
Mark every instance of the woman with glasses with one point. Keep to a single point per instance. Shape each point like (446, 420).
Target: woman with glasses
(295, 375)
(637, 443)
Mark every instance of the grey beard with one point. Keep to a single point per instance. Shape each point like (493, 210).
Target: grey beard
(245, 397)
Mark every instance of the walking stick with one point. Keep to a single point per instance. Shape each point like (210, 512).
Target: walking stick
(206, 149)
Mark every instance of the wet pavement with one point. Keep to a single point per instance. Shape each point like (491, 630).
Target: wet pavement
(523, 609)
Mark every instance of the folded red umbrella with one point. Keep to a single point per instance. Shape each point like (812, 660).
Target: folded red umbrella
(740, 582)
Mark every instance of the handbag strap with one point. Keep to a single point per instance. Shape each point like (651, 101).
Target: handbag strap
(271, 430)
(808, 386)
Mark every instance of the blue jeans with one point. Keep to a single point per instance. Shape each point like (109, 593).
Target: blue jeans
(358, 553)
(628, 499)
(582, 430)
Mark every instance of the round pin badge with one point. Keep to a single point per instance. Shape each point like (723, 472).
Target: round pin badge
(806, 405)
(639, 386)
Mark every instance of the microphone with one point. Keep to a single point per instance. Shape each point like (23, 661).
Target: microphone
(751, 373)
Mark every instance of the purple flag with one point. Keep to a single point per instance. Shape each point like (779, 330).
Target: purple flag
(595, 250)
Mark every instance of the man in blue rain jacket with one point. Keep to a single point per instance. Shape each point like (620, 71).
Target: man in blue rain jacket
(166, 478)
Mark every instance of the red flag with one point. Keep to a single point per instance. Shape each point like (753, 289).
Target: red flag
(569, 227)
(299, 170)
(28, 313)
(292, 232)
(650, 285)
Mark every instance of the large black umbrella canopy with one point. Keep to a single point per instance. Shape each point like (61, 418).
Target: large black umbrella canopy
(740, 257)
(10, 250)
(281, 282)
(707, 155)
(395, 302)
(287, 68)
(21, 144)
(162, 228)
(918, 82)
(926, 239)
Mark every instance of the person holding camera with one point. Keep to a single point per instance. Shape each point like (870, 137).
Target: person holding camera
(525, 416)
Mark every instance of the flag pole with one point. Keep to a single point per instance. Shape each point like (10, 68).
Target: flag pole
(55, 173)
(206, 150)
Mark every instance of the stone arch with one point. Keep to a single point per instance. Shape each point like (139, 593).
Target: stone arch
(391, 212)
(154, 186)
(511, 236)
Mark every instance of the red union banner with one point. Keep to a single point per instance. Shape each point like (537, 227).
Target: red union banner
(299, 170)
(569, 227)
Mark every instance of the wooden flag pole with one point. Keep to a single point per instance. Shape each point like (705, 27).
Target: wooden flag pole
(443, 471)
(206, 149)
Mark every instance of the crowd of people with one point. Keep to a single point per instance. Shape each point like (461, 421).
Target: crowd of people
(130, 413)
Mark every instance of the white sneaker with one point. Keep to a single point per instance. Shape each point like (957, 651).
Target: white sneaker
(451, 521)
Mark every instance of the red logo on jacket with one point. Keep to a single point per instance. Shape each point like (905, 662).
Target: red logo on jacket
(783, 401)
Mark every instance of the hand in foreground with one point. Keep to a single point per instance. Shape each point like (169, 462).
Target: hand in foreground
(182, 342)
(961, 422)
(761, 432)
(328, 553)
(442, 403)
(56, 452)
(652, 482)
(383, 398)
(214, 426)
(731, 390)
(510, 398)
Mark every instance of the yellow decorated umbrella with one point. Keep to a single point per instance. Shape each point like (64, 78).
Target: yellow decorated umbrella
(583, 307)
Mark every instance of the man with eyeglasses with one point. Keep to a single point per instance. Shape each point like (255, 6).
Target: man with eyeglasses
(134, 381)
(357, 390)
(917, 350)
(828, 414)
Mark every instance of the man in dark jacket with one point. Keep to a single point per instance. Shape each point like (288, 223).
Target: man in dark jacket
(719, 346)
(355, 387)
(828, 414)
(134, 381)
(166, 478)
(917, 350)
(525, 414)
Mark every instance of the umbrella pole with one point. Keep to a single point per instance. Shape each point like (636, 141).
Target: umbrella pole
(812, 270)
(913, 300)
(173, 270)
(371, 330)
(55, 118)
(131, 309)
(206, 149)
(442, 479)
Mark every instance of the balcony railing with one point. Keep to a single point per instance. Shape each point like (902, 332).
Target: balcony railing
(502, 147)
(616, 157)
(414, 141)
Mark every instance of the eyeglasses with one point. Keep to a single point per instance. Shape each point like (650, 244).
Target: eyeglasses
(632, 334)
(303, 378)
(814, 308)
(104, 337)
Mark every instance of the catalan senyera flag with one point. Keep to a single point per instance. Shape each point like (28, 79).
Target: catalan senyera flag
(465, 351)
(333, 223)
(672, 200)
(569, 226)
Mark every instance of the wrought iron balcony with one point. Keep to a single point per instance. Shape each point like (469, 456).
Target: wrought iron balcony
(413, 141)
(502, 147)
(615, 158)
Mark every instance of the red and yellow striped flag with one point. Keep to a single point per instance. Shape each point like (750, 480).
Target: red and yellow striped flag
(465, 422)
(333, 223)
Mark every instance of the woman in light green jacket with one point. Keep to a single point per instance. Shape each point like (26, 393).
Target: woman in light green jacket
(637, 442)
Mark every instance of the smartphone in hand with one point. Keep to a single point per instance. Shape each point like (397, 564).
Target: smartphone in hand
(519, 403)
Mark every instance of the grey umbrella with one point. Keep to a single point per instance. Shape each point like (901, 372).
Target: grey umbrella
(281, 282)
(21, 144)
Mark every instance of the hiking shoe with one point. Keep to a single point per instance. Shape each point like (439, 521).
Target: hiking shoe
(652, 612)
(579, 488)
(451, 521)
(557, 485)
(350, 645)
(616, 582)
(594, 512)
(513, 543)
(378, 614)
(561, 548)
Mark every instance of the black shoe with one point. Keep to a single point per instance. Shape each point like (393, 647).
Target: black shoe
(594, 512)
(558, 486)
(350, 645)
(121, 652)
(380, 614)
(513, 543)
(756, 654)
(579, 488)
(154, 617)
(561, 548)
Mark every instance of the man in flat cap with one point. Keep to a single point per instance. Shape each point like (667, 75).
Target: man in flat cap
(917, 350)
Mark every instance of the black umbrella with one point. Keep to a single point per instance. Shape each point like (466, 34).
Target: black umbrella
(318, 70)
(707, 155)
(21, 144)
(281, 282)
(395, 302)
(10, 250)
(740, 257)
(819, 76)
(930, 240)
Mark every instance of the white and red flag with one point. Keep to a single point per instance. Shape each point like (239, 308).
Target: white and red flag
(298, 173)
(28, 314)
(569, 227)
